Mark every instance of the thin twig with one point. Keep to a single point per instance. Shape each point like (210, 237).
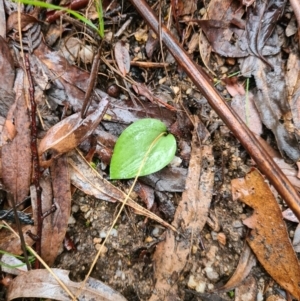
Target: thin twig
(35, 161)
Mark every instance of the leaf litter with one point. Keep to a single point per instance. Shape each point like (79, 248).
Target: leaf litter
(267, 223)
(66, 92)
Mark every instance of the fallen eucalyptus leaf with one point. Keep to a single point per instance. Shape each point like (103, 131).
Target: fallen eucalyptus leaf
(122, 57)
(133, 145)
(40, 284)
(70, 132)
(268, 239)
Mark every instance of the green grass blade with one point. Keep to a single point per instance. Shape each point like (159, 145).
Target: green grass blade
(98, 4)
(56, 7)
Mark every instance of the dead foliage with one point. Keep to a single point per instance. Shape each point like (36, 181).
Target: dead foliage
(88, 91)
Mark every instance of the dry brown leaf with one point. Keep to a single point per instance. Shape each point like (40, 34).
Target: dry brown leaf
(16, 154)
(55, 191)
(271, 102)
(245, 107)
(289, 170)
(269, 238)
(75, 81)
(71, 131)
(9, 130)
(246, 262)
(142, 89)
(40, 284)
(171, 255)
(182, 8)
(7, 71)
(217, 10)
(193, 44)
(85, 178)
(122, 57)
(9, 242)
(151, 44)
(26, 21)
(292, 74)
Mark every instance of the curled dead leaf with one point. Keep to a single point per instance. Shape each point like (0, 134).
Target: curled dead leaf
(246, 262)
(70, 132)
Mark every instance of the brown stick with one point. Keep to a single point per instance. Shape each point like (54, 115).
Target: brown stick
(234, 123)
(35, 161)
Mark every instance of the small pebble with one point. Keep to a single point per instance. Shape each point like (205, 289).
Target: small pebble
(210, 286)
(175, 89)
(211, 254)
(175, 162)
(224, 69)
(75, 208)
(188, 91)
(148, 239)
(113, 91)
(221, 238)
(97, 240)
(202, 11)
(230, 61)
(200, 288)
(71, 220)
(102, 234)
(214, 235)
(259, 296)
(196, 284)
(84, 208)
(87, 214)
(114, 232)
(156, 232)
(103, 250)
(211, 274)
(194, 249)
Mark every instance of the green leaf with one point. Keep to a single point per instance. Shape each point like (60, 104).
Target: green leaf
(134, 144)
